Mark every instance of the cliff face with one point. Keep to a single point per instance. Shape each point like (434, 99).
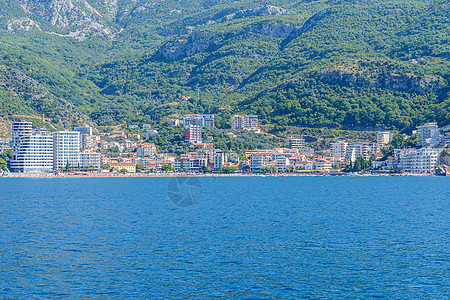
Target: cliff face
(74, 18)
(387, 76)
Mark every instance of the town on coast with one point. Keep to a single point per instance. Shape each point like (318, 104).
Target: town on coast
(126, 152)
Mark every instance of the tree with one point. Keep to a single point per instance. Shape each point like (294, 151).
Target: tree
(139, 167)
(67, 165)
(3, 165)
(166, 168)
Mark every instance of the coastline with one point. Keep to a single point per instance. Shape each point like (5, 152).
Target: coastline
(162, 175)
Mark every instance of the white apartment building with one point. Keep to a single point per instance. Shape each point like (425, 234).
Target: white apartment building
(338, 149)
(244, 122)
(384, 138)
(419, 160)
(90, 160)
(66, 148)
(19, 130)
(146, 149)
(282, 162)
(428, 134)
(295, 143)
(193, 134)
(32, 152)
(257, 161)
(219, 159)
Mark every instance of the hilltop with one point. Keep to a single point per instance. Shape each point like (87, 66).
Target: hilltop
(358, 65)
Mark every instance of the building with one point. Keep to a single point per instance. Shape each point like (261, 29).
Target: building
(173, 122)
(119, 166)
(149, 133)
(206, 120)
(133, 127)
(257, 161)
(365, 150)
(86, 142)
(19, 130)
(90, 159)
(146, 126)
(384, 138)
(193, 134)
(32, 152)
(146, 149)
(421, 160)
(338, 149)
(83, 130)
(295, 143)
(282, 163)
(323, 165)
(428, 135)
(66, 148)
(219, 160)
(244, 122)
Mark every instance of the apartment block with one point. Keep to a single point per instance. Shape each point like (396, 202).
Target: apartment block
(384, 138)
(193, 134)
(244, 122)
(338, 149)
(206, 120)
(66, 148)
(32, 151)
(83, 130)
(146, 149)
(295, 143)
(428, 135)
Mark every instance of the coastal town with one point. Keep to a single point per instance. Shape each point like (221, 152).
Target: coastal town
(35, 150)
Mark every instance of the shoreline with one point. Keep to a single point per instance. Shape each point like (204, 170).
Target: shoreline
(162, 175)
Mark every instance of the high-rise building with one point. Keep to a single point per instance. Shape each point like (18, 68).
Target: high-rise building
(19, 130)
(193, 134)
(428, 135)
(219, 159)
(32, 151)
(295, 143)
(338, 149)
(66, 148)
(83, 130)
(384, 138)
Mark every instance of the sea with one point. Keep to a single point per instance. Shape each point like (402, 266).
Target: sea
(225, 238)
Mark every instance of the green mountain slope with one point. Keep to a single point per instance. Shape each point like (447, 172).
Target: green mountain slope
(340, 64)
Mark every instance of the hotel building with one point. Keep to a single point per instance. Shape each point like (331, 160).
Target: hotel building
(66, 148)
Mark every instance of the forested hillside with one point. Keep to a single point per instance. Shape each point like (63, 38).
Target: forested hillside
(335, 64)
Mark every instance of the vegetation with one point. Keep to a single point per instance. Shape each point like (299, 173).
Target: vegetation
(359, 65)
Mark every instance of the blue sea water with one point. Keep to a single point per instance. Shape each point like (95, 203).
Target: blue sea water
(244, 238)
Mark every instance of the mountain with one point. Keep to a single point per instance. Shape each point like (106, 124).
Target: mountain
(359, 65)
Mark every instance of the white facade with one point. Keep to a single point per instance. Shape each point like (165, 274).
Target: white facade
(384, 138)
(33, 153)
(219, 159)
(295, 143)
(428, 134)
(338, 149)
(19, 130)
(419, 160)
(90, 160)
(244, 122)
(193, 134)
(257, 162)
(282, 163)
(66, 148)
